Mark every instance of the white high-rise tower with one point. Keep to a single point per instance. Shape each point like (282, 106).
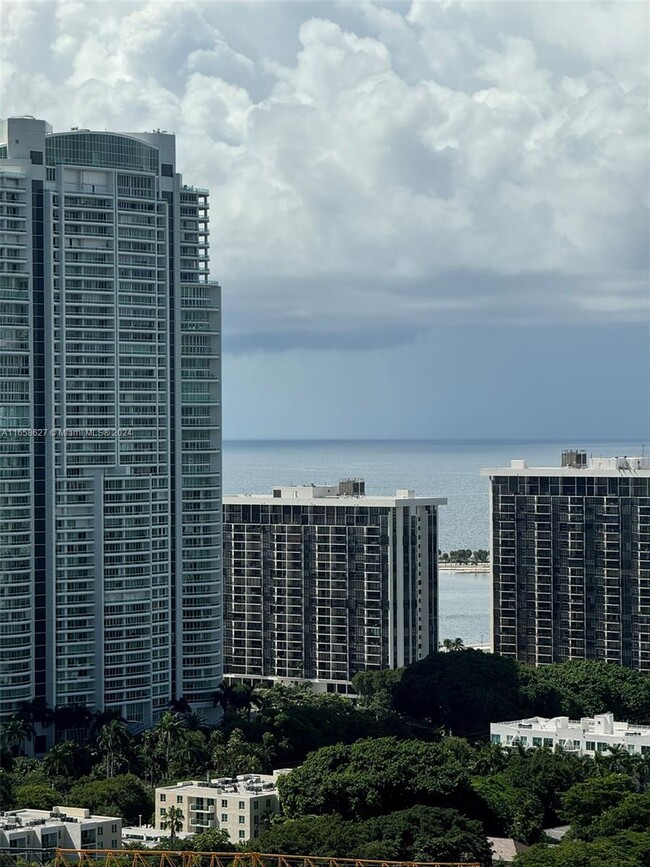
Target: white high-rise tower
(110, 426)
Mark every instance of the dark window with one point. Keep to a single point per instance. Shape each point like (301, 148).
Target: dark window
(167, 170)
(36, 157)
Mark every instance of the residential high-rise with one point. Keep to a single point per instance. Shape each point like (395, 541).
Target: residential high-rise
(110, 432)
(571, 560)
(321, 582)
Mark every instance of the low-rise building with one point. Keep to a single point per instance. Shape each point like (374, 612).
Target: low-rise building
(586, 736)
(239, 805)
(24, 831)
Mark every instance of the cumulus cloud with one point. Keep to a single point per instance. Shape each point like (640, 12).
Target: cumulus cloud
(376, 168)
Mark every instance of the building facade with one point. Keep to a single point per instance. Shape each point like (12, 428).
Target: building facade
(39, 832)
(586, 736)
(242, 806)
(110, 429)
(571, 560)
(321, 582)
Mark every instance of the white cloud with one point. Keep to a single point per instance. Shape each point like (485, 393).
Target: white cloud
(376, 166)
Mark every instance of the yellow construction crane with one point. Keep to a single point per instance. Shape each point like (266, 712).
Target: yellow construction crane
(166, 858)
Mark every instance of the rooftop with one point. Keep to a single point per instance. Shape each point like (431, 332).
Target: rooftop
(28, 818)
(600, 724)
(244, 785)
(576, 462)
(348, 492)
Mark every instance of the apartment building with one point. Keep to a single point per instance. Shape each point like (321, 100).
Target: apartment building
(241, 805)
(323, 581)
(586, 736)
(110, 429)
(38, 832)
(571, 560)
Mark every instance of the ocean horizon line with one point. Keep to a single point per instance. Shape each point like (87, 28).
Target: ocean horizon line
(573, 442)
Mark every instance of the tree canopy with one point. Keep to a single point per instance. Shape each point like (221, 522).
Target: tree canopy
(419, 833)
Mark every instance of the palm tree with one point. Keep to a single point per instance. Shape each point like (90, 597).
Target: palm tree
(14, 732)
(172, 821)
(73, 720)
(114, 740)
(61, 760)
(641, 771)
(196, 722)
(102, 718)
(619, 760)
(152, 758)
(492, 758)
(36, 711)
(170, 729)
(179, 705)
(601, 765)
(453, 644)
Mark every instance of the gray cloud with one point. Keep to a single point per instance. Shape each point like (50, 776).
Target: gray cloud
(376, 168)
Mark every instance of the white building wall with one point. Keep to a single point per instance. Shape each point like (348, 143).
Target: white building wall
(586, 736)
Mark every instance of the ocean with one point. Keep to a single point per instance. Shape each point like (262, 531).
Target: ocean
(438, 468)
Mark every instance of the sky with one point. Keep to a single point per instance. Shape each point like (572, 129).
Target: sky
(429, 219)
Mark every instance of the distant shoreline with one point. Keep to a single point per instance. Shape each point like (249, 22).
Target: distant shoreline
(482, 568)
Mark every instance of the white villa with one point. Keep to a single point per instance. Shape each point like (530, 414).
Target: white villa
(586, 736)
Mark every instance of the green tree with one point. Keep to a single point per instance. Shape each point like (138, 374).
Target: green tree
(507, 811)
(190, 756)
(453, 644)
(66, 759)
(371, 776)
(619, 760)
(37, 796)
(632, 814)
(591, 687)
(172, 821)
(152, 757)
(170, 729)
(420, 833)
(235, 756)
(628, 849)
(546, 775)
(6, 790)
(462, 692)
(212, 840)
(327, 836)
(115, 744)
(196, 722)
(124, 795)
(584, 802)
(14, 732)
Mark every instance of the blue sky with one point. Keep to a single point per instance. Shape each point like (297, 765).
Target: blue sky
(429, 219)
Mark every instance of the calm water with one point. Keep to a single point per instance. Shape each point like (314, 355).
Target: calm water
(432, 468)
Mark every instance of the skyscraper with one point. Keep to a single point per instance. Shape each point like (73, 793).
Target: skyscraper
(571, 560)
(321, 582)
(110, 430)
